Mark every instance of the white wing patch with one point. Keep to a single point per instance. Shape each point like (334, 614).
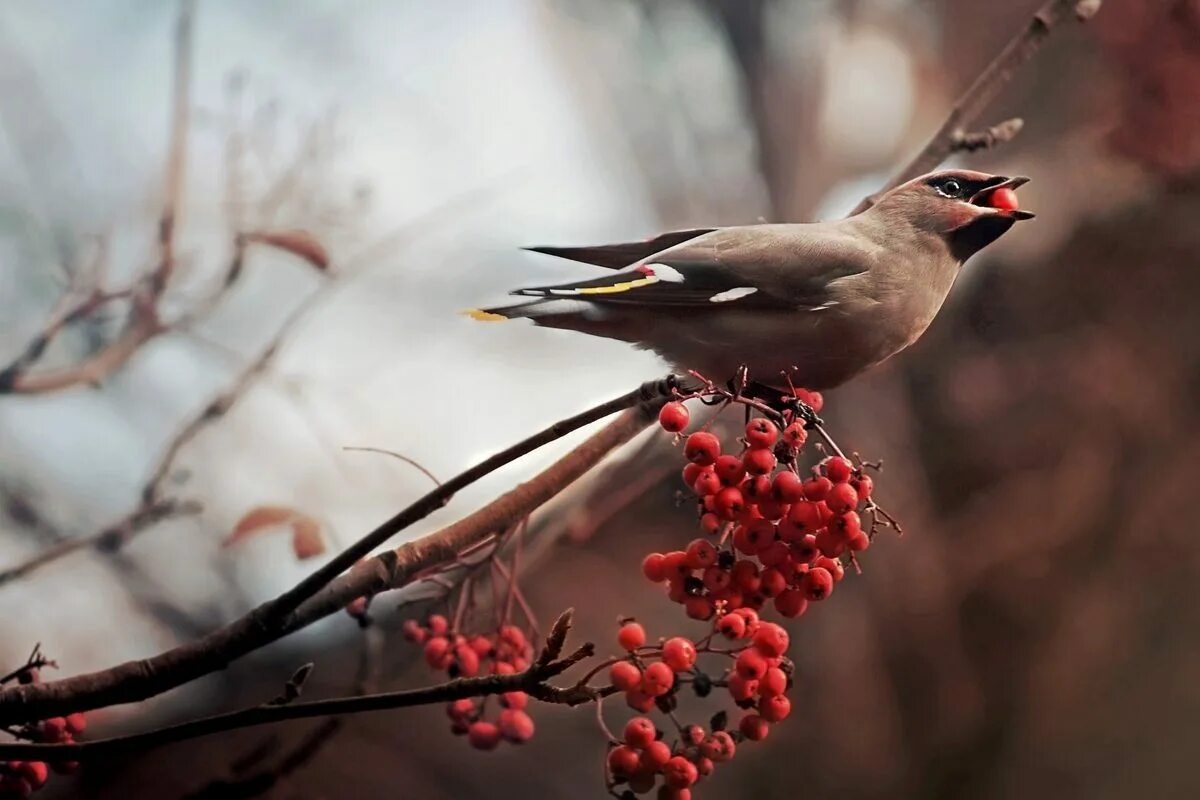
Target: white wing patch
(666, 273)
(732, 294)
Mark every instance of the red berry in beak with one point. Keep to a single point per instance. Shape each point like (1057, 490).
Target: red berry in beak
(1004, 199)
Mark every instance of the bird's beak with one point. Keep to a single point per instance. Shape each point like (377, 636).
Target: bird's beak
(1002, 203)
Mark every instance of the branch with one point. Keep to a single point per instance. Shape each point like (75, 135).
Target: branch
(327, 591)
(533, 681)
(113, 537)
(952, 136)
(143, 323)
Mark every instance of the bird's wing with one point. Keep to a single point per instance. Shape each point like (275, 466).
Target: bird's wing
(619, 256)
(777, 267)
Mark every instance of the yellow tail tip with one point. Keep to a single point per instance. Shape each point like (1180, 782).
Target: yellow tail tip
(480, 315)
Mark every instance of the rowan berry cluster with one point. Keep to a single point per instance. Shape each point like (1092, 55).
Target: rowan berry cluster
(20, 779)
(755, 672)
(503, 652)
(770, 534)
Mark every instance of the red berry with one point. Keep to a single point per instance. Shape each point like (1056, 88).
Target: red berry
(679, 654)
(690, 473)
(625, 676)
(517, 700)
(654, 567)
(773, 682)
(816, 488)
(675, 565)
(76, 723)
(680, 773)
(791, 603)
(35, 772)
(697, 607)
(841, 498)
(710, 523)
(770, 639)
(513, 636)
(745, 576)
(758, 462)
(859, 542)
(845, 525)
(701, 554)
(774, 554)
(655, 755)
(754, 727)
(788, 487)
(411, 629)
(716, 579)
(729, 503)
(438, 625)
(795, 435)
(657, 679)
(729, 469)
(631, 636)
(750, 664)
(757, 489)
(719, 747)
(466, 660)
(732, 626)
(829, 544)
(772, 582)
(1004, 199)
(742, 689)
(817, 584)
(483, 735)
(837, 469)
(863, 485)
(804, 518)
(623, 761)
(639, 700)
(750, 539)
(774, 708)
(709, 483)
(761, 434)
(702, 448)
(833, 565)
(437, 654)
(639, 732)
(516, 726)
(673, 417)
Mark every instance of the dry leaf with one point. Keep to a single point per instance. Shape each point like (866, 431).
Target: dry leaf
(306, 538)
(306, 531)
(297, 242)
(258, 519)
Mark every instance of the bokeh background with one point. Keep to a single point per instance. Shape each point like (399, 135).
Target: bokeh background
(1032, 635)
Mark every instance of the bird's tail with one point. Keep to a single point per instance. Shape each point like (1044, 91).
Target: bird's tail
(532, 310)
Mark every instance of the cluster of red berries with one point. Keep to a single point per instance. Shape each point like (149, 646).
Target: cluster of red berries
(20, 779)
(504, 652)
(757, 680)
(772, 534)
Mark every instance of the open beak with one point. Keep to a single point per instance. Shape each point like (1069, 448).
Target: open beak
(1002, 203)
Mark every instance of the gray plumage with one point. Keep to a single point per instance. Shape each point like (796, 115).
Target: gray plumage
(817, 303)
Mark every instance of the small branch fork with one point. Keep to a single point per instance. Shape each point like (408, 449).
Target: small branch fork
(954, 136)
(549, 664)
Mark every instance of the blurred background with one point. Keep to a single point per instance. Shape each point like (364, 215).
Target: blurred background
(1032, 635)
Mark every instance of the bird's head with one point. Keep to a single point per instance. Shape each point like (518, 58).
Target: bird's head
(968, 209)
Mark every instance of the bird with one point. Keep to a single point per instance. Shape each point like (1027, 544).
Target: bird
(807, 305)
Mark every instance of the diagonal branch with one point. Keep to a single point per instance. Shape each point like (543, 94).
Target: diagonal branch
(980, 94)
(327, 591)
